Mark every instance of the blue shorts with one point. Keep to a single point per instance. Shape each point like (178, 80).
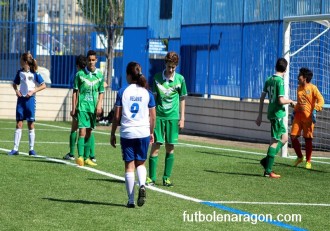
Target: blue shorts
(26, 109)
(135, 149)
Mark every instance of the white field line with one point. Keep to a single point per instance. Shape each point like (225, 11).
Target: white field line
(177, 195)
(269, 203)
(188, 145)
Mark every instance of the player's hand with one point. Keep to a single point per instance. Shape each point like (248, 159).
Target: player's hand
(258, 121)
(73, 113)
(113, 140)
(29, 94)
(98, 111)
(181, 124)
(152, 139)
(293, 104)
(18, 93)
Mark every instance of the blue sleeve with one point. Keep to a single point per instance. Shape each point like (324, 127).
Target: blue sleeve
(38, 78)
(119, 101)
(152, 102)
(17, 79)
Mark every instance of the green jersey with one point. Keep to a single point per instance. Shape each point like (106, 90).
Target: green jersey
(168, 93)
(274, 86)
(90, 85)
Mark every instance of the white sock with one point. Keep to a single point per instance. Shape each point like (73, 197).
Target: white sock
(17, 138)
(142, 174)
(129, 181)
(32, 137)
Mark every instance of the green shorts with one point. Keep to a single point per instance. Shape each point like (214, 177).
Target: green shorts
(168, 130)
(277, 128)
(86, 119)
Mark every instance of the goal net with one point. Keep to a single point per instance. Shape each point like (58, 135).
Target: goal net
(307, 44)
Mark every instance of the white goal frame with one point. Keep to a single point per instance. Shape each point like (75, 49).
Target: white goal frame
(323, 19)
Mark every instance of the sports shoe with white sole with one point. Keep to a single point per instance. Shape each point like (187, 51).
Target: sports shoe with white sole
(68, 157)
(142, 196)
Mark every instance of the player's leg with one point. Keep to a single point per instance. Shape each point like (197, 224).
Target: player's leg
(92, 147)
(72, 139)
(83, 123)
(17, 138)
(153, 157)
(19, 125)
(30, 118)
(90, 126)
(171, 138)
(87, 148)
(32, 138)
(308, 131)
(279, 138)
(295, 133)
(128, 157)
(141, 154)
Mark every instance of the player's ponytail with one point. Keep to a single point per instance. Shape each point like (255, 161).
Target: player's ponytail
(134, 70)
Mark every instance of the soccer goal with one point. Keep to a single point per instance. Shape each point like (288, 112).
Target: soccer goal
(307, 44)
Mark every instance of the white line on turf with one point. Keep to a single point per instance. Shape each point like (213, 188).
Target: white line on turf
(269, 203)
(178, 195)
(186, 144)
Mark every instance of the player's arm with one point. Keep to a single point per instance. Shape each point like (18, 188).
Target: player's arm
(284, 101)
(152, 121)
(182, 112)
(18, 93)
(261, 107)
(99, 103)
(115, 124)
(74, 101)
(320, 100)
(41, 87)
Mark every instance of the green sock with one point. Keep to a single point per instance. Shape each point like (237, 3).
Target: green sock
(279, 146)
(92, 144)
(73, 139)
(270, 159)
(81, 146)
(153, 162)
(169, 162)
(87, 148)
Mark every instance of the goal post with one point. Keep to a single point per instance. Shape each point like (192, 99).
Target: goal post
(307, 44)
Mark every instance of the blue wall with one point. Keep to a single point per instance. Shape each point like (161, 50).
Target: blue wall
(227, 47)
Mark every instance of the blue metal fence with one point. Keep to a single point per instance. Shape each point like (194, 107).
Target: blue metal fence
(54, 32)
(227, 47)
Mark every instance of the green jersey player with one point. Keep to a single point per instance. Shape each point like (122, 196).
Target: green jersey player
(87, 102)
(274, 87)
(169, 89)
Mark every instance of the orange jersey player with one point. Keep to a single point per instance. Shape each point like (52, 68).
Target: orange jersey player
(309, 101)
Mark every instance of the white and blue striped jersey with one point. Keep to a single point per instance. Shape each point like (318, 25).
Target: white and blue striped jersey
(27, 81)
(135, 102)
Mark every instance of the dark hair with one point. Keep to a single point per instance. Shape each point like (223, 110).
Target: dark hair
(27, 57)
(281, 65)
(135, 71)
(172, 57)
(81, 61)
(306, 73)
(91, 52)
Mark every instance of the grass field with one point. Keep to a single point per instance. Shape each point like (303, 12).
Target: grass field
(213, 182)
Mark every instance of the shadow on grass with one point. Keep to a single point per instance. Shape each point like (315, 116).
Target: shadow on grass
(41, 160)
(109, 180)
(83, 202)
(233, 173)
(230, 156)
